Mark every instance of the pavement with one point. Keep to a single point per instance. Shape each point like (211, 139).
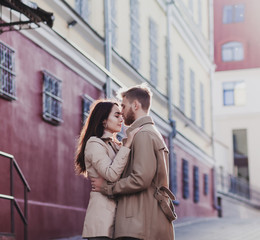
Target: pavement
(219, 229)
(239, 222)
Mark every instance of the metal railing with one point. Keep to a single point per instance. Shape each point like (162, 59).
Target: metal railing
(238, 188)
(23, 214)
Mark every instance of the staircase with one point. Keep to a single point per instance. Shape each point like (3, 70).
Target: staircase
(13, 201)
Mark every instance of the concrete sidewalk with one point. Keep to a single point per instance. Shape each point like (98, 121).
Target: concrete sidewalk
(239, 222)
(219, 229)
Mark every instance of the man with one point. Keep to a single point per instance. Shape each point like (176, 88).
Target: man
(139, 215)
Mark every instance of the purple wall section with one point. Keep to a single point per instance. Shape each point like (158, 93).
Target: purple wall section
(246, 32)
(45, 152)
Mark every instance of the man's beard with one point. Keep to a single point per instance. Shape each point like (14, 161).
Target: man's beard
(130, 117)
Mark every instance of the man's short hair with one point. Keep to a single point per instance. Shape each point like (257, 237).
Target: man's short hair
(141, 93)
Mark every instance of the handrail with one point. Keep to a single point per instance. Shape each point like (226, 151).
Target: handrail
(7, 155)
(11, 197)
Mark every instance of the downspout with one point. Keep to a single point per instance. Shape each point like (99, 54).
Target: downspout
(172, 134)
(211, 54)
(108, 46)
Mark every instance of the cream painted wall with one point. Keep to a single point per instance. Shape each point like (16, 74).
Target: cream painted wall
(89, 44)
(201, 76)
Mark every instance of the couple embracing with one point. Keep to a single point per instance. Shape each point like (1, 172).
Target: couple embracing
(124, 176)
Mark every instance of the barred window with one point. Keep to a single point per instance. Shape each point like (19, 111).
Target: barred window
(82, 8)
(7, 72)
(135, 34)
(153, 52)
(86, 103)
(52, 99)
(185, 179)
(181, 84)
(196, 194)
(206, 183)
(192, 96)
(113, 22)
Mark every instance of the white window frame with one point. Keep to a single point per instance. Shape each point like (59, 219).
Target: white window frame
(7, 72)
(232, 51)
(52, 99)
(153, 51)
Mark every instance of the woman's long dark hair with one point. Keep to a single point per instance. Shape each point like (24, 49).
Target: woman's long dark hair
(94, 126)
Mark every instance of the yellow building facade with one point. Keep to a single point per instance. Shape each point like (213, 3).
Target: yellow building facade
(165, 44)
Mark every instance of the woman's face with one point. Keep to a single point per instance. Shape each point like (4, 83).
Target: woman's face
(114, 120)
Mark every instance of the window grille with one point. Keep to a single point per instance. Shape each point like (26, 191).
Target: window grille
(181, 84)
(192, 96)
(185, 179)
(206, 184)
(153, 52)
(7, 72)
(196, 194)
(86, 103)
(135, 34)
(82, 8)
(52, 98)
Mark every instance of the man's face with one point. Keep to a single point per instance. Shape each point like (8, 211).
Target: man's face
(127, 112)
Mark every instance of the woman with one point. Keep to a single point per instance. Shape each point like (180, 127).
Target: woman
(99, 153)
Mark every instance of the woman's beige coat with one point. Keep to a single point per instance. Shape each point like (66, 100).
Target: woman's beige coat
(101, 159)
(138, 213)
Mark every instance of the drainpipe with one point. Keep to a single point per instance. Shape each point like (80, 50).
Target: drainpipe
(173, 172)
(216, 204)
(108, 46)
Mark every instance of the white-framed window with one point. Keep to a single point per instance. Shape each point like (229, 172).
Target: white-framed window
(191, 6)
(199, 13)
(192, 96)
(153, 52)
(7, 72)
(86, 103)
(233, 13)
(82, 8)
(181, 84)
(135, 34)
(52, 98)
(202, 106)
(234, 93)
(114, 22)
(232, 51)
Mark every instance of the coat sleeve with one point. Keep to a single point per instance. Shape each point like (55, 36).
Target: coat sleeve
(107, 168)
(143, 168)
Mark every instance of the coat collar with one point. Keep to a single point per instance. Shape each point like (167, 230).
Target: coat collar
(139, 123)
(107, 136)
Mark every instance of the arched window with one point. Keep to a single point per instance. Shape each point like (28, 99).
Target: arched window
(232, 51)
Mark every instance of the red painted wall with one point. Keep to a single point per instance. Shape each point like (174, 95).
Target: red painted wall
(44, 152)
(187, 207)
(246, 32)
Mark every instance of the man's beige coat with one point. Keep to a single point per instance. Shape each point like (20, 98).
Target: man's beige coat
(101, 159)
(138, 214)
